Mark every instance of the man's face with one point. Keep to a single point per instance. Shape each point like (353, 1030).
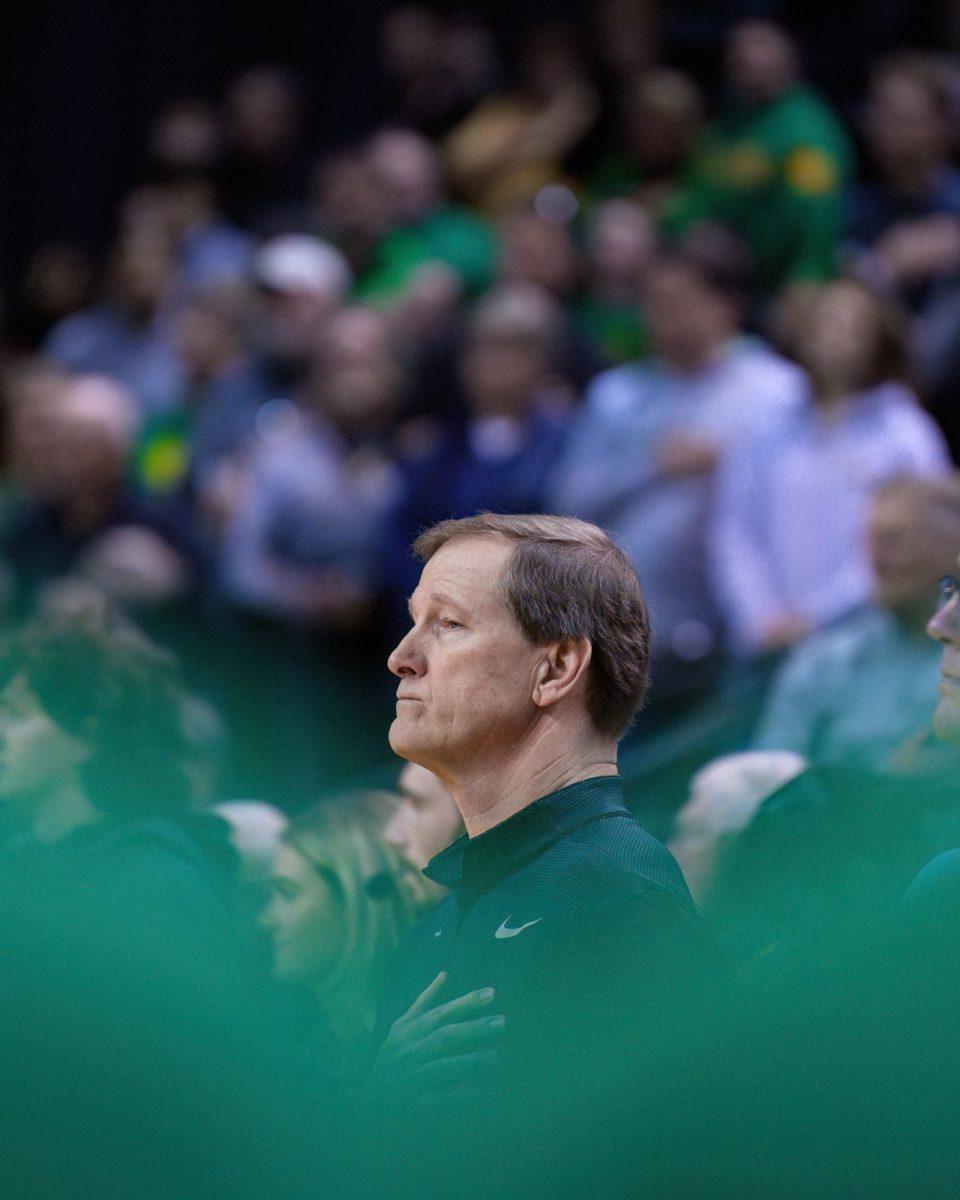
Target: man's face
(426, 821)
(686, 318)
(908, 556)
(467, 674)
(500, 376)
(944, 627)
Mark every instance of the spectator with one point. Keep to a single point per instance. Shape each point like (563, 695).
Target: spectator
(659, 123)
(304, 281)
(179, 451)
(424, 229)
(642, 454)
(255, 832)
(264, 164)
(905, 224)
(425, 822)
(348, 207)
(501, 458)
(724, 795)
(516, 142)
(96, 762)
(185, 135)
(69, 452)
(337, 912)
(210, 251)
(126, 335)
(57, 283)
(790, 547)
(301, 541)
(855, 692)
(620, 244)
(772, 166)
(437, 67)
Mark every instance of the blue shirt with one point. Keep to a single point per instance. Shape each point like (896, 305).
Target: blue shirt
(793, 504)
(104, 341)
(610, 473)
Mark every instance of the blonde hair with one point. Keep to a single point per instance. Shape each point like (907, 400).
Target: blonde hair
(342, 840)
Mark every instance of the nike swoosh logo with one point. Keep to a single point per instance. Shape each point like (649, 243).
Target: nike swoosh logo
(505, 932)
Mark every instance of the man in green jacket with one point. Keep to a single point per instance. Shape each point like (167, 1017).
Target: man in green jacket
(772, 165)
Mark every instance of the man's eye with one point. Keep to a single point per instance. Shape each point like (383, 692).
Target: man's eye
(450, 623)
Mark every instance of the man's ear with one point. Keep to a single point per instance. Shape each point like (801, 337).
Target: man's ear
(563, 666)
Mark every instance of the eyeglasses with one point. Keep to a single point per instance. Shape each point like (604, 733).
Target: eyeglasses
(949, 588)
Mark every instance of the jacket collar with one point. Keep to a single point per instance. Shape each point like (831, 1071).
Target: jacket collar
(478, 863)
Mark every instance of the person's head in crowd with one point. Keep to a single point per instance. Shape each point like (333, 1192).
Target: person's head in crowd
(663, 116)
(190, 200)
(425, 822)
(185, 135)
(214, 331)
(356, 379)
(724, 796)
(411, 44)
(620, 243)
(337, 909)
(529, 639)
(693, 300)
(349, 204)
(406, 167)
(31, 395)
(143, 271)
(255, 832)
(91, 719)
(851, 341)
(761, 61)
(535, 250)
(303, 280)
(506, 356)
(626, 35)
(914, 538)
(911, 119)
(58, 281)
(551, 58)
(265, 112)
(69, 448)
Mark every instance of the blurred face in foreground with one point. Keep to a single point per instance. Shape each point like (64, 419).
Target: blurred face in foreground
(426, 821)
(37, 756)
(302, 917)
(467, 674)
(944, 627)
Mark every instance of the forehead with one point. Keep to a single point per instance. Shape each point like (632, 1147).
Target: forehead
(466, 570)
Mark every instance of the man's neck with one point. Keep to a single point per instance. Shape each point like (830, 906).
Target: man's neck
(490, 795)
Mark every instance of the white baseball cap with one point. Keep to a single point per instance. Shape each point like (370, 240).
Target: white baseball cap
(296, 262)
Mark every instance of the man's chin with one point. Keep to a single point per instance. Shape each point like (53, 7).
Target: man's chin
(404, 741)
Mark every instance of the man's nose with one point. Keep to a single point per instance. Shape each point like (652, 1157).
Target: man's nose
(405, 659)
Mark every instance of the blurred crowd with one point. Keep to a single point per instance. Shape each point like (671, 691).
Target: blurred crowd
(718, 317)
(713, 319)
